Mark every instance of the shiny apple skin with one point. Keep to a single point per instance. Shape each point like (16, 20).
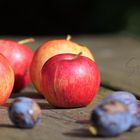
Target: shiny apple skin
(49, 49)
(20, 57)
(70, 81)
(6, 79)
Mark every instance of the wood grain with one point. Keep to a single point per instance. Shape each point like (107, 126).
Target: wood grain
(118, 59)
(62, 124)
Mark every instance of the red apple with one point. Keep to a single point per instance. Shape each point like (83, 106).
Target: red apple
(49, 49)
(6, 79)
(70, 80)
(20, 57)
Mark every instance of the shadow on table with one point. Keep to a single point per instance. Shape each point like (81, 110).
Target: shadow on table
(81, 132)
(7, 125)
(43, 106)
(34, 95)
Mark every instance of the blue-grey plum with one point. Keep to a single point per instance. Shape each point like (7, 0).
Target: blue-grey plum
(24, 112)
(123, 96)
(111, 118)
(135, 111)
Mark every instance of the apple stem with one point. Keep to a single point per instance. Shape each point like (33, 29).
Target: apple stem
(68, 37)
(78, 55)
(28, 40)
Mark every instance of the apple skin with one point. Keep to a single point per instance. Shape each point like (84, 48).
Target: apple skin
(20, 57)
(6, 79)
(49, 49)
(70, 80)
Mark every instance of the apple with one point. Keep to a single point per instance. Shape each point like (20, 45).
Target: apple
(70, 80)
(6, 79)
(20, 57)
(49, 49)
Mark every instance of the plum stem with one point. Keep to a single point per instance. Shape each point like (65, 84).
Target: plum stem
(68, 37)
(28, 40)
(93, 130)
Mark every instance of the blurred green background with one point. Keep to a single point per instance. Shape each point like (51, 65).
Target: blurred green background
(69, 17)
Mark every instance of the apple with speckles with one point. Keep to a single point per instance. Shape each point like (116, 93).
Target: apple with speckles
(70, 80)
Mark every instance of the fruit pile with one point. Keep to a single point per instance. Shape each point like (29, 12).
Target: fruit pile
(61, 70)
(15, 59)
(115, 114)
(66, 74)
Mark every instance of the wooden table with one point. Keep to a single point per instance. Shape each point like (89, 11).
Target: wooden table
(118, 60)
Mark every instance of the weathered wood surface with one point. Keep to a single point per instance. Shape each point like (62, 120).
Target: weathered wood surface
(64, 124)
(118, 60)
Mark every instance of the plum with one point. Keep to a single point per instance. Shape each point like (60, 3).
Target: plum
(123, 96)
(24, 112)
(111, 118)
(136, 115)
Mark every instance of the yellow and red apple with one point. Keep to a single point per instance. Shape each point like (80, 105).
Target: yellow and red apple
(7, 78)
(49, 49)
(20, 57)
